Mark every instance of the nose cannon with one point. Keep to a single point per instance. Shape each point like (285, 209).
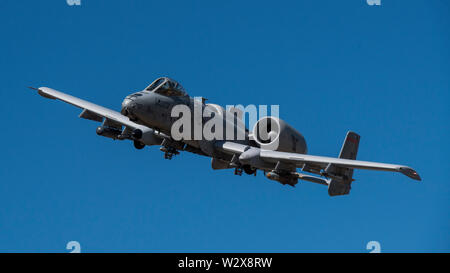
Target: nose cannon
(128, 107)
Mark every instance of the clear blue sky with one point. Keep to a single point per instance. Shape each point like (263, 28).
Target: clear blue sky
(332, 66)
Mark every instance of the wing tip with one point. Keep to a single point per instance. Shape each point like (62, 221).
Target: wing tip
(410, 173)
(33, 88)
(41, 91)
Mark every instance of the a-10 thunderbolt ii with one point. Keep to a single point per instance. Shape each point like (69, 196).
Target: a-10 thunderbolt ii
(146, 119)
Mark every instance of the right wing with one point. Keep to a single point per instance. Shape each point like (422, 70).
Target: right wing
(96, 112)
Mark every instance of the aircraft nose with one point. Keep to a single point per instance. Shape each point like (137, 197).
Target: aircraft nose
(127, 106)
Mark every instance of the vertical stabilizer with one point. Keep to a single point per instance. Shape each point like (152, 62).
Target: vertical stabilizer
(341, 178)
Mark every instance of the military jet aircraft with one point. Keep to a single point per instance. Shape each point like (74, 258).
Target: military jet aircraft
(145, 119)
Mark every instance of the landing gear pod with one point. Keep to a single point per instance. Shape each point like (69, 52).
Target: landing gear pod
(138, 145)
(145, 137)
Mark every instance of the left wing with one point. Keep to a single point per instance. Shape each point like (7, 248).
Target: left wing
(300, 159)
(319, 162)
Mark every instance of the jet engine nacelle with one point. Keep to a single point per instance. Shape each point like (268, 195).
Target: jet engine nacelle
(272, 133)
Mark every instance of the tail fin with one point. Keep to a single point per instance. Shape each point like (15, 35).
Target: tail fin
(341, 178)
(350, 147)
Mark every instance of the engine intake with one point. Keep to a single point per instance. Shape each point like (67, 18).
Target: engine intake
(272, 133)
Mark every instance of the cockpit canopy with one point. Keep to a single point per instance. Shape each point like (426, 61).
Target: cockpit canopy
(167, 87)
